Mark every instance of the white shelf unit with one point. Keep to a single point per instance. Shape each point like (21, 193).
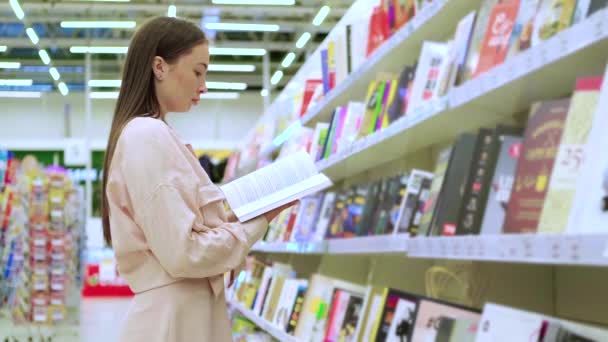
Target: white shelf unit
(382, 244)
(262, 323)
(557, 249)
(545, 71)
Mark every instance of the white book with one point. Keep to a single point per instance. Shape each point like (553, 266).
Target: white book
(341, 54)
(284, 181)
(360, 28)
(264, 285)
(425, 84)
(588, 213)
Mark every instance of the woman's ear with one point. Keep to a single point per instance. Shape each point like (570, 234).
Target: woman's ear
(159, 68)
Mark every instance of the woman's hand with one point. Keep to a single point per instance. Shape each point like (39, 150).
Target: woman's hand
(275, 212)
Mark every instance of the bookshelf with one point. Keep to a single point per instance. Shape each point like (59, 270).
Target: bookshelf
(489, 99)
(561, 275)
(262, 323)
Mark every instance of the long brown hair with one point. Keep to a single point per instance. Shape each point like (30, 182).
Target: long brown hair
(165, 37)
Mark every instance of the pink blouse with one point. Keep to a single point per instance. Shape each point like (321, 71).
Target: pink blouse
(167, 219)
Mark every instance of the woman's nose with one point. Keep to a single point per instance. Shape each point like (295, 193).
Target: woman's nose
(203, 88)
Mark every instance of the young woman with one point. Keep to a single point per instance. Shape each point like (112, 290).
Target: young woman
(162, 215)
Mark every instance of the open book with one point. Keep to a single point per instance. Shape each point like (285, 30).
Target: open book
(286, 180)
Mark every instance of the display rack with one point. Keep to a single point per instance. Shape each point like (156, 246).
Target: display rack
(382, 244)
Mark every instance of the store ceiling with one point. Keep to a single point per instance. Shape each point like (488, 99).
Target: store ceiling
(45, 18)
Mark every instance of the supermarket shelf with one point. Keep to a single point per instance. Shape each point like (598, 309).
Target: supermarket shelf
(381, 244)
(562, 249)
(319, 247)
(262, 323)
(435, 22)
(546, 71)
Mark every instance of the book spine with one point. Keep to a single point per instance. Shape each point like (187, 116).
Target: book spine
(325, 71)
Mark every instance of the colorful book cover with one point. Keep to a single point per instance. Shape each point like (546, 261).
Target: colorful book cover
(541, 142)
(521, 36)
(331, 63)
(339, 215)
(381, 213)
(553, 17)
(371, 200)
(314, 308)
(481, 26)
(298, 306)
(351, 318)
(379, 30)
(429, 314)
(325, 215)
(309, 89)
(333, 126)
(371, 102)
(383, 119)
(337, 138)
(496, 40)
(405, 10)
(381, 98)
(356, 206)
(499, 191)
(304, 227)
(409, 204)
(375, 298)
(397, 107)
(398, 317)
(318, 140)
(455, 62)
(570, 155)
(337, 312)
(433, 197)
(287, 299)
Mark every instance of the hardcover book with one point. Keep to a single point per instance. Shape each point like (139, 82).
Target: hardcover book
(541, 142)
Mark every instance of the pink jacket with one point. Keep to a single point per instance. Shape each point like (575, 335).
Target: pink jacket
(167, 219)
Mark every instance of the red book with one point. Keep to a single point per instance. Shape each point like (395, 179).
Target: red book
(379, 29)
(496, 39)
(309, 90)
(539, 150)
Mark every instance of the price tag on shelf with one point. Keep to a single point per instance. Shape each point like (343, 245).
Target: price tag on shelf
(456, 246)
(554, 246)
(572, 248)
(528, 246)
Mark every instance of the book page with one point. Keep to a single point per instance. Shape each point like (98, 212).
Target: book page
(286, 180)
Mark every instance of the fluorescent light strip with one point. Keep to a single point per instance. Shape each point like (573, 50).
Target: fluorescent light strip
(17, 9)
(105, 83)
(276, 78)
(304, 38)
(21, 94)
(10, 65)
(287, 133)
(236, 51)
(44, 56)
(103, 95)
(264, 92)
(242, 27)
(99, 49)
(288, 60)
(3, 48)
(172, 11)
(227, 85)
(232, 67)
(255, 2)
(63, 89)
(16, 82)
(99, 24)
(220, 95)
(32, 34)
(323, 12)
(54, 73)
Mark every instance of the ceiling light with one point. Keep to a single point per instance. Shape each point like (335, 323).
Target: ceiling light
(264, 92)
(32, 34)
(104, 95)
(232, 67)
(276, 77)
(21, 94)
(10, 65)
(323, 12)
(63, 89)
(220, 95)
(242, 27)
(16, 82)
(3, 48)
(44, 56)
(17, 9)
(99, 24)
(255, 2)
(99, 49)
(237, 51)
(105, 83)
(172, 11)
(54, 73)
(288, 60)
(227, 85)
(304, 38)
